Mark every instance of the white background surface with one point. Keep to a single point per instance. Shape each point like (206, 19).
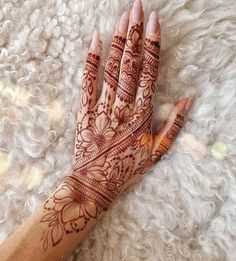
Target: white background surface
(186, 208)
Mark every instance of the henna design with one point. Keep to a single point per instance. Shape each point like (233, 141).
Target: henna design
(146, 164)
(89, 78)
(112, 70)
(149, 74)
(131, 64)
(99, 175)
(114, 146)
(97, 132)
(122, 115)
(67, 211)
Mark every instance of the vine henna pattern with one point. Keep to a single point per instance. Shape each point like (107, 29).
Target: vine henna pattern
(113, 150)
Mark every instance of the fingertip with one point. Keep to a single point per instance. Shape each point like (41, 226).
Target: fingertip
(152, 27)
(184, 105)
(123, 22)
(94, 47)
(137, 11)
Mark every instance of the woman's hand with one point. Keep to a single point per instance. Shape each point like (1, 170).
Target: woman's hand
(115, 145)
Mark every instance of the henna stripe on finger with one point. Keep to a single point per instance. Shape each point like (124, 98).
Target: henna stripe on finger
(131, 59)
(89, 80)
(130, 65)
(88, 92)
(149, 73)
(150, 64)
(170, 135)
(112, 69)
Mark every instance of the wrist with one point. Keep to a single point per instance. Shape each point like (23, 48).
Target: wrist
(91, 189)
(79, 200)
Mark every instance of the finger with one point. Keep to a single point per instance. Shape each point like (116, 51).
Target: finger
(89, 85)
(165, 138)
(112, 68)
(130, 64)
(150, 63)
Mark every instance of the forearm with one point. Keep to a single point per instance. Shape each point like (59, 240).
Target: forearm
(26, 244)
(57, 227)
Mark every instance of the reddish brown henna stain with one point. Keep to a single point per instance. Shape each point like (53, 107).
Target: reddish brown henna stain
(112, 70)
(131, 65)
(89, 78)
(167, 140)
(112, 151)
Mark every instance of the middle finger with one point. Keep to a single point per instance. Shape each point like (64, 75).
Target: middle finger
(130, 64)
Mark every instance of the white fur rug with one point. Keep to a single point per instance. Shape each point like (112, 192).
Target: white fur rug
(186, 208)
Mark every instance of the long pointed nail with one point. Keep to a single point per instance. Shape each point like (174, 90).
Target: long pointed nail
(124, 22)
(137, 11)
(94, 47)
(153, 23)
(186, 104)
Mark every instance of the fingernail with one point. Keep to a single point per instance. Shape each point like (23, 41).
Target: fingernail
(137, 11)
(153, 23)
(95, 42)
(188, 104)
(124, 22)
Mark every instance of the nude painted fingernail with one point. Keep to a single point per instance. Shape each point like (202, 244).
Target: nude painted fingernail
(94, 47)
(124, 22)
(153, 23)
(188, 104)
(137, 11)
(184, 105)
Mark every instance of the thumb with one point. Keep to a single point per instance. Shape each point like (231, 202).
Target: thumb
(167, 135)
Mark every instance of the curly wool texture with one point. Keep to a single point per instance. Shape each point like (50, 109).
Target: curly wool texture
(185, 209)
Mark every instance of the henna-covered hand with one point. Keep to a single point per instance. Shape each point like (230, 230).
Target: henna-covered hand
(115, 145)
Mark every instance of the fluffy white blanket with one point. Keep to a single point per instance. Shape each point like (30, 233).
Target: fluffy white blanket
(185, 209)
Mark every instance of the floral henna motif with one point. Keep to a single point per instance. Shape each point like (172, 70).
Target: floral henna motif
(122, 115)
(96, 133)
(67, 211)
(114, 145)
(149, 73)
(98, 177)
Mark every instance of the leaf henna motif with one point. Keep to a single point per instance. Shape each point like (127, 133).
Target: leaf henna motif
(114, 144)
(88, 79)
(131, 64)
